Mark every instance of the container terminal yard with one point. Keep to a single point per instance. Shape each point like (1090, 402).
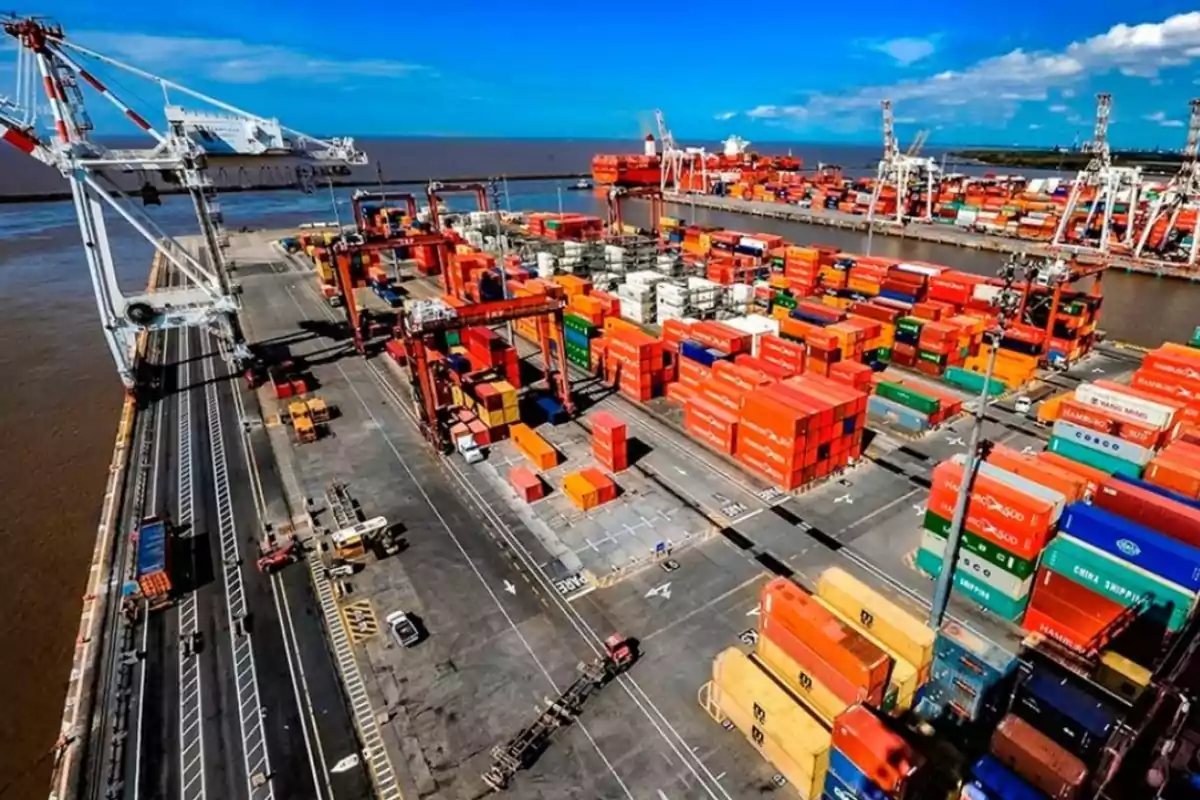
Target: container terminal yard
(1109, 215)
(449, 504)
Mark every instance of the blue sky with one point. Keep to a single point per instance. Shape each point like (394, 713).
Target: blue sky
(773, 70)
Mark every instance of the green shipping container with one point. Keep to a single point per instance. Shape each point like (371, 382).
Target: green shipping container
(453, 338)
(1093, 458)
(910, 324)
(884, 354)
(984, 595)
(1020, 567)
(787, 301)
(932, 358)
(972, 381)
(776, 261)
(1195, 340)
(1118, 580)
(906, 396)
(578, 323)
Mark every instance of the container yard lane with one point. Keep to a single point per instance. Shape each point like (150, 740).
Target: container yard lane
(498, 642)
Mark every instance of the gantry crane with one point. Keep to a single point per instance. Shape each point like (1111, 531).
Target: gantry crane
(617, 196)
(360, 197)
(1183, 190)
(436, 189)
(1111, 184)
(676, 160)
(207, 298)
(424, 318)
(343, 269)
(904, 171)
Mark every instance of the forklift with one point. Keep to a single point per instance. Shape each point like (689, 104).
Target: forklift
(520, 751)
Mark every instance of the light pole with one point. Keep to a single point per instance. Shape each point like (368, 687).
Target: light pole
(1008, 303)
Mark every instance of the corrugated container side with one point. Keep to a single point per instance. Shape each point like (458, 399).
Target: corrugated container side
(1151, 509)
(899, 629)
(819, 698)
(998, 781)
(1128, 541)
(879, 752)
(1038, 759)
(904, 677)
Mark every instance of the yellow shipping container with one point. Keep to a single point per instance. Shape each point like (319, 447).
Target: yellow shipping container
(1048, 409)
(705, 242)
(896, 627)
(904, 678)
(817, 696)
(800, 735)
(1122, 676)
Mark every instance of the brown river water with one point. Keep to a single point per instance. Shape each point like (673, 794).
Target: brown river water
(60, 398)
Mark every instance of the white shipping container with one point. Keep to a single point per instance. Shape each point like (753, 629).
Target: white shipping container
(1036, 185)
(741, 293)
(1136, 407)
(985, 292)
(752, 243)
(919, 269)
(979, 568)
(1102, 442)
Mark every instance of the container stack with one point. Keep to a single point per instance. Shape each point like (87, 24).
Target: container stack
(788, 736)
(588, 488)
(579, 333)
(610, 446)
(638, 296)
(633, 362)
(1008, 522)
(870, 759)
(970, 680)
(1132, 549)
(912, 406)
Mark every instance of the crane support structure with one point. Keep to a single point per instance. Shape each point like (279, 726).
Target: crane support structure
(1107, 185)
(1161, 224)
(905, 172)
(435, 190)
(424, 319)
(616, 200)
(50, 63)
(361, 198)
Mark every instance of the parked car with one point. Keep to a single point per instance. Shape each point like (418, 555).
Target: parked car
(404, 629)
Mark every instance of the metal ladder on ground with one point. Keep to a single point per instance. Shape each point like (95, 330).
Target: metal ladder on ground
(341, 506)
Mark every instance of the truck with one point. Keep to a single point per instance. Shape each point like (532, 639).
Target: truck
(153, 561)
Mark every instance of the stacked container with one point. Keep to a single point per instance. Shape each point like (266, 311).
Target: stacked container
(633, 361)
(869, 759)
(1008, 521)
(790, 738)
(970, 679)
(579, 333)
(1075, 719)
(610, 445)
(588, 488)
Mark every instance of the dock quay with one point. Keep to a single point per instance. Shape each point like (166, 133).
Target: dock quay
(291, 684)
(937, 234)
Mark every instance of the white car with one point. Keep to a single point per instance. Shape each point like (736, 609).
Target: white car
(1022, 404)
(404, 630)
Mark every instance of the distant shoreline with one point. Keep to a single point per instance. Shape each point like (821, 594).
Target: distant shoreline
(1061, 160)
(52, 197)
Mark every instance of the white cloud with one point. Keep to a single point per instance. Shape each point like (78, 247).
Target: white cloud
(725, 115)
(1059, 109)
(1033, 126)
(999, 83)
(906, 50)
(1161, 118)
(1068, 93)
(235, 61)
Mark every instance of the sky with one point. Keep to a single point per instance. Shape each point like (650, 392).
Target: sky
(970, 73)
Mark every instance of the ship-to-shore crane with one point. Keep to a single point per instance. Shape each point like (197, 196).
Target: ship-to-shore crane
(1183, 190)
(904, 171)
(48, 62)
(1112, 185)
(435, 190)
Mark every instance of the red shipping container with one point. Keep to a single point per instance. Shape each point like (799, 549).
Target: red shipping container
(1071, 486)
(772, 418)
(1033, 755)
(723, 337)
(528, 485)
(299, 386)
(847, 650)
(811, 661)
(1069, 612)
(854, 374)
(879, 752)
(680, 392)
(1180, 364)
(1017, 522)
(607, 427)
(773, 372)
(1172, 471)
(1151, 509)
(605, 488)
(1093, 476)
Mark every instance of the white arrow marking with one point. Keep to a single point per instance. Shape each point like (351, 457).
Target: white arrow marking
(847, 499)
(681, 472)
(1097, 369)
(754, 612)
(957, 441)
(1027, 450)
(663, 591)
(508, 587)
(346, 764)
(920, 509)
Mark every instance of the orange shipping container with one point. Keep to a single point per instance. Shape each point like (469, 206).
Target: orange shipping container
(1017, 522)
(847, 650)
(1070, 485)
(1094, 477)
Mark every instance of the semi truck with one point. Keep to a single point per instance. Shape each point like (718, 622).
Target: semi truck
(153, 563)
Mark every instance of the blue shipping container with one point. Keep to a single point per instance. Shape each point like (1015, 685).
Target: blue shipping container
(1137, 544)
(699, 353)
(963, 649)
(1060, 694)
(805, 316)
(898, 296)
(902, 416)
(553, 410)
(997, 780)
(152, 549)
(852, 779)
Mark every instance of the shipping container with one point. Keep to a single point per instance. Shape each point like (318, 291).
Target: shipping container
(1038, 759)
(853, 779)
(846, 649)
(1122, 676)
(153, 562)
(1103, 442)
(820, 699)
(1126, 404)
(902, 630)
(1120, 581)
(904, 679)
(998, 782)
(881, 754)
(983, 569)
(1151, 507)
(1070, 613)
(970, 653)
(969, 541)
(1057, 500)
(1161, 555)
(1058, 706)
(975, 589)
(1106, 462)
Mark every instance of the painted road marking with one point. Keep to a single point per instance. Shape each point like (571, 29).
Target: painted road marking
(360, 620)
